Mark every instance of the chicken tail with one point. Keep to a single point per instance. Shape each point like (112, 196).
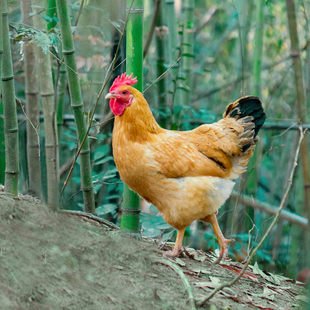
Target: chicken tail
(248, 112)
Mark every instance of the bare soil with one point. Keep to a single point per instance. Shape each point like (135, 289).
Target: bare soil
(56, 261)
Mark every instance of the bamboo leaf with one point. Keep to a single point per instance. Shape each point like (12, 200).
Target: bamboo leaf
(177, 109)
(151, 233)
(97, 187)
(104, 160)
(101, 151)
(106, 208)
(47, 18)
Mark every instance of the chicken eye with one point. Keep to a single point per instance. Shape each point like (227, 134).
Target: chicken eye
(124, 92)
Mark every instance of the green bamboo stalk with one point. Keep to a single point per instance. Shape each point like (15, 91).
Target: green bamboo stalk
(9, 109)
(245, 9)
(61, 91)
(301, 110)
(161, 42)
(134, 64)
(258, 48)
(32, 110)
(2, 147)
(76, 103)
(172, 36)
(257, 68)
(49, 113)
(188, 49)
(61, 71)
(172, 48)
(51, 12)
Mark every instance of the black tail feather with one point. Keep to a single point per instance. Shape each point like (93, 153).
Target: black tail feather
(249, 106)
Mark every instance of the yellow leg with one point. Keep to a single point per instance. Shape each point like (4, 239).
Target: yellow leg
(177, 250)
(220, 238)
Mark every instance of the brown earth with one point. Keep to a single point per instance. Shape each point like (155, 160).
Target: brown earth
(56, 261)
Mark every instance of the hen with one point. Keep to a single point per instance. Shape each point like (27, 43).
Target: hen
(186, 175)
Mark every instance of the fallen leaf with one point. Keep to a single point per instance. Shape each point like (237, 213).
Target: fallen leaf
(198, 270)
(179, 262)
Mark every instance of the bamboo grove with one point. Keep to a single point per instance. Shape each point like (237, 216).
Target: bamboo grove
(191, 58)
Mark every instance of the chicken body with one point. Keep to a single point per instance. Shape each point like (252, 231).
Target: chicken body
(186, 175)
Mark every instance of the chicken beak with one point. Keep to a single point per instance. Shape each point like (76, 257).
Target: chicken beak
(109, 96)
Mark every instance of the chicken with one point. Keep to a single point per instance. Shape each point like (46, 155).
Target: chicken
(186, 175)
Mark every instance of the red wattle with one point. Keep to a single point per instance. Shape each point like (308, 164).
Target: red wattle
(117, 107)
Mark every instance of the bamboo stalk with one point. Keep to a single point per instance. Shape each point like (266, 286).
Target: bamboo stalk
(32, 111)
(258, 48)
(301, 108)
(49, 112)
(77, 104)
(130, 222)
(61, 90)
(157, 6)
(51, 12)
(188, 49)
(161, 35)
(9, 110)
(244, 8)
(172, 37)
(2, 147)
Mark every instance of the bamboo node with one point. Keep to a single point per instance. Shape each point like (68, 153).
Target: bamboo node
(68, 52)
(135, 10)
(47, 95)
(8, 78)
(78, 106)
(130, 210)
(85, 152)
(87, 189)
(12, 172)
(12, 130)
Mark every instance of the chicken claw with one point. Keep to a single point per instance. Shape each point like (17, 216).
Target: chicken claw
(223, 249)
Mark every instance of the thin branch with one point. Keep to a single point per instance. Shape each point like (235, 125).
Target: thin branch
(79, 14)
(207, 18)
(176, 268)
(162, 76)
(289, 185)
(152, 27)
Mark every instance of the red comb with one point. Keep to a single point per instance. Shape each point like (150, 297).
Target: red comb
(123, 80)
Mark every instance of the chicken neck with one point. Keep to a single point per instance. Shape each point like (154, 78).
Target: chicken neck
(137, 121)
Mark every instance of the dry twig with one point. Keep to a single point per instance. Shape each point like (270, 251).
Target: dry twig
(289, 185)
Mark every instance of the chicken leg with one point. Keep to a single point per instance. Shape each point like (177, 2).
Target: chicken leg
(220, 238)
(177, 250)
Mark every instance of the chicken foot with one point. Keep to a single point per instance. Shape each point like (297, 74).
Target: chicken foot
(177, 250)
(219, 235)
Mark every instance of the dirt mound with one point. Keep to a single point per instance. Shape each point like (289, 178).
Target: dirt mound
(54, 261)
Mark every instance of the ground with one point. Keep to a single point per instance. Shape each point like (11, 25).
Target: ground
(59, 261)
